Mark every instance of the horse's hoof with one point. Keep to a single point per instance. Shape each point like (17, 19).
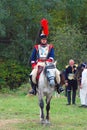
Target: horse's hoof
(42, 121)
(47, 122)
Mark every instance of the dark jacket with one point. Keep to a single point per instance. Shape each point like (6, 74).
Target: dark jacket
(70, 75)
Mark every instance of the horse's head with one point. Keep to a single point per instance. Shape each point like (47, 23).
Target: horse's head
(78, 73)
(62, 77)
(50, 72)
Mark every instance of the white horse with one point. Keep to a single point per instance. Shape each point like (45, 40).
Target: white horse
(46, 87)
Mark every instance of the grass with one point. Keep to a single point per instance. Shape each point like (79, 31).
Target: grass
(21, 112)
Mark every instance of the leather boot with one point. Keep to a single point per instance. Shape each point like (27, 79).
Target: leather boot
(73, 97)
(69, 96)
(33, 85)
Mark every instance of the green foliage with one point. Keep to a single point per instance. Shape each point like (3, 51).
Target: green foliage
(68, 43)
(20, 21)
(12, 74)
(19, 50)
(21, 18)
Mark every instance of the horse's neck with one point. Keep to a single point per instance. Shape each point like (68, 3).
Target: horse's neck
(42, 79)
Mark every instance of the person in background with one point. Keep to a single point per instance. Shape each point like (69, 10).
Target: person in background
(71, 82)
(83, 86)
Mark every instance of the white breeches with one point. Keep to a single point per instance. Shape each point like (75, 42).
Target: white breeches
(83, 96)
(34, 71)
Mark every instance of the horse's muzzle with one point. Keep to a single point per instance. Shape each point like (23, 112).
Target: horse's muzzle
(52, 83)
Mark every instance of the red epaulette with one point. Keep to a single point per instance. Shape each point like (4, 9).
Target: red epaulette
(50, 46)
(36, 47)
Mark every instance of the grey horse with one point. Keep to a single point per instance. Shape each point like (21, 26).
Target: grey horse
(46, 87)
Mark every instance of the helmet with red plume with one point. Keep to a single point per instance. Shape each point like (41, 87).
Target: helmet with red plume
(44, 25)
(44, 29)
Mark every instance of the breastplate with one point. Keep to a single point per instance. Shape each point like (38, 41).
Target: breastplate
(43, 52)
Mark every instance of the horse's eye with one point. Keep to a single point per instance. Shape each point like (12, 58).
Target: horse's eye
(48, 72)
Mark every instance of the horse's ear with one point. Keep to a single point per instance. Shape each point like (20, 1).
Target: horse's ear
(55, 63)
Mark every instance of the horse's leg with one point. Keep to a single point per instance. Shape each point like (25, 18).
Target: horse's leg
(47, 109)
(41, 104)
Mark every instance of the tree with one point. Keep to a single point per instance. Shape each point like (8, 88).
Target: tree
(68, 45)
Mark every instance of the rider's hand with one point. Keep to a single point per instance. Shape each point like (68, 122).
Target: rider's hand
(49, 60)
(66, 84)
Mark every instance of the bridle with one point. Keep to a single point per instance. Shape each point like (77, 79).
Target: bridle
(46, 71)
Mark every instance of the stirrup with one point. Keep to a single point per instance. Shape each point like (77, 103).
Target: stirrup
(32, 92)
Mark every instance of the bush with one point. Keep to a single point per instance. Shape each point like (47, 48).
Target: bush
(12, 74)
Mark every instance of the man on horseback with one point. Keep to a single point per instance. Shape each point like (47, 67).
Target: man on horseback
(42, 52)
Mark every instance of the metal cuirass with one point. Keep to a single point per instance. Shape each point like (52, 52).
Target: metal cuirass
(43, 52)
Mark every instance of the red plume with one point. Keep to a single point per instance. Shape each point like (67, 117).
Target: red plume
(44, 25)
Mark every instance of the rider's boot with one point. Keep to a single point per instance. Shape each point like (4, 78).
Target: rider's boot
(33, 85)
(59, 89)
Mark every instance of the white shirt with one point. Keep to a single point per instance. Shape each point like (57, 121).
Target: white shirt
(84, 78)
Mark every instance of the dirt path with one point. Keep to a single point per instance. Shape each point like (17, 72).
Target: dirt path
(4, 123)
